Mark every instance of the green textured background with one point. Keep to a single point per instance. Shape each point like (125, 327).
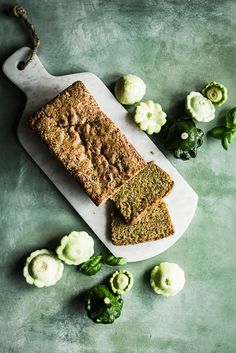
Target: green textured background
(176, 47)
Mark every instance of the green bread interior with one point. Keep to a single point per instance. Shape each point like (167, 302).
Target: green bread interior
(141, 192)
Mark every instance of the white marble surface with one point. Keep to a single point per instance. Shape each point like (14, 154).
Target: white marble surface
(39, 87)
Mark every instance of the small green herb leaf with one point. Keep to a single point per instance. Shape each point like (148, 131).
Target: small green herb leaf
(228, 132)
(92, 266)
(217, 132)
(231, 119)
(230, 136)
(225, 142)
(114, 261)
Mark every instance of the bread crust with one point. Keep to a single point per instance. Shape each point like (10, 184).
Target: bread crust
(88, 144)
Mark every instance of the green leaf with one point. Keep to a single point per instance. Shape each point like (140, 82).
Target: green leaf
(114, 261)
(225, 142)
(231, 119)
(233, 133)
(230, 136)
(92, 266)
(217, 132)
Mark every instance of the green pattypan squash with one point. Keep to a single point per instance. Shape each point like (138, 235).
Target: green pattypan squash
(121, 282)
(102, 306)
(215, 92)
(183, 138)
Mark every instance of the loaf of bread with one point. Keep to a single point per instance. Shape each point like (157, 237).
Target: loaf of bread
(89, 145)
(155, 224)
(142, 192)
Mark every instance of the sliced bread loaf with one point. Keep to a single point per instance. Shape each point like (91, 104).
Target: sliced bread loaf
(142, 192)
(155, 224)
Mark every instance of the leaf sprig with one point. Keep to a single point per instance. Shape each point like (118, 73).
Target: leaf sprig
(95, 264)
(227, 132)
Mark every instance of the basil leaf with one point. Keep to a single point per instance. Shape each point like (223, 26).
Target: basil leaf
(229, 136)
(114, 261)
(92, 266)
(233, 133)
(217, 132)
(231, 118)
(225, 142)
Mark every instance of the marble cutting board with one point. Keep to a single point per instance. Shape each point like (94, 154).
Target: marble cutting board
(40, 87)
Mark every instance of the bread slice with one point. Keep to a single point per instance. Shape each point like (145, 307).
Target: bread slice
(142, 192)
(155, 224)
(89, 145)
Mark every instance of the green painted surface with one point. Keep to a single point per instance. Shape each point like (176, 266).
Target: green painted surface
(176, 47)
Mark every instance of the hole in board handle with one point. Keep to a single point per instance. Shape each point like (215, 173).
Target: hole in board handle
(21, 65)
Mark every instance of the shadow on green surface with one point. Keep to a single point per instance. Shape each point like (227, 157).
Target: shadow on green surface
(54, 242)
(76, 303)
(111, 87)
(106, 279)
(7, 50)
(221, 117)
(14, 111)
(177, 110)
(146, 280)
(17, 268)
